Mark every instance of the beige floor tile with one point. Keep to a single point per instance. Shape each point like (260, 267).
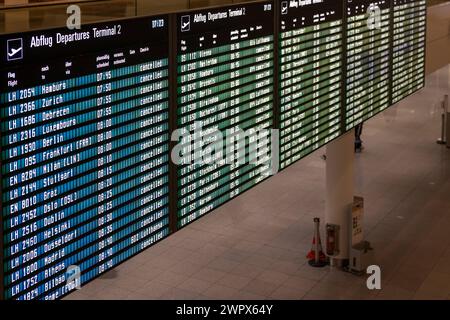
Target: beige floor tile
(147, 272)
(153, 290)
(129, 282)
(219, 292)
(234, 281)
(343, 278)
(272, 276)
(409, 278)
(179, 294)
(171, 278)
(260, 261)
(443, 265)
(326, 291)
(223, 264)
(303, 284)
(195, 285)
(235, 255)
(361, 292)
(138, 297)
(261, 288)
(391, 292)
(185, 268)
(191, 244)
(311, 273)
(288, 293)
(200, 258)
(209, 275)
(287, 267)
(95, 286)
(112, 293)
(435, 287)
(247, 270)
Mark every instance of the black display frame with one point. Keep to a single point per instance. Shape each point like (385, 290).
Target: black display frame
(424, 47)
(173, 116)
(343, 88)
(389, 72)
(2, 273)
(275, 109)
(40, 296)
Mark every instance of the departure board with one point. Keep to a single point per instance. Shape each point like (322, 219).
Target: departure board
(84, 151)
(368, 59)
(224, 84)
(408, 74)
(310, 76)
(117, 134)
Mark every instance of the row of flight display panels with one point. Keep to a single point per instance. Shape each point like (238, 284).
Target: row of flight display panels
(88, 116)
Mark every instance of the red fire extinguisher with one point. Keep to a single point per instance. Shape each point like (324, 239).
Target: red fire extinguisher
(332, 238)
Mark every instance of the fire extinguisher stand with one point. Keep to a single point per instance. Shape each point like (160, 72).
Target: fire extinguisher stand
(339, 198)
(316, 256)
(317, 242)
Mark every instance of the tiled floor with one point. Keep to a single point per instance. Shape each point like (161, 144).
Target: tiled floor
(254, 247)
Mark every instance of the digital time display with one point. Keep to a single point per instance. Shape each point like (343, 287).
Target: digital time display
(310, 77)
(84, 151)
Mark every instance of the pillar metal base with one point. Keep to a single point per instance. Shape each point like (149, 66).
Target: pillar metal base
(339, 263)
(319, 264)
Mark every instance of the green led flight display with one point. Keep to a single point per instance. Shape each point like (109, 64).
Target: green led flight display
(310, 76)
(368, 59)
(225, 80)
(408, 48)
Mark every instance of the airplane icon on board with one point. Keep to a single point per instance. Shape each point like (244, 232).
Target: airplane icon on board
(14, 49)
(185, 23)
(284, 7)
(13, 52)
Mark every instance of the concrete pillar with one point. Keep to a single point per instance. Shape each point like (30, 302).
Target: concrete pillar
(340, 191)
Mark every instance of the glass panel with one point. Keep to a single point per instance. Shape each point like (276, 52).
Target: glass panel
(145, 7)
(435, 2)
(39, 17)
(48, 14)
(14, 3)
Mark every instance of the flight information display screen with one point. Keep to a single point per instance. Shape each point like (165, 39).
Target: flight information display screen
(118, 134)
(84, 151)
(408, 48)
(310, 76)
(225, 83)
(368, 59)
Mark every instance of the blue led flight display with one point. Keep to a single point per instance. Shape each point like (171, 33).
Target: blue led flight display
(84, 151)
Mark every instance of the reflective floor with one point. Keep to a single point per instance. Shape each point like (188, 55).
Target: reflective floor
(254, 247)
